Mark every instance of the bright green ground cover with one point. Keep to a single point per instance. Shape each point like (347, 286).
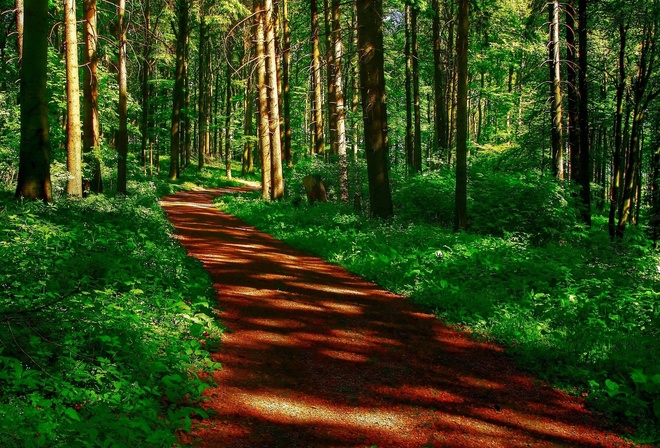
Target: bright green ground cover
(573, 308)
(102, 318)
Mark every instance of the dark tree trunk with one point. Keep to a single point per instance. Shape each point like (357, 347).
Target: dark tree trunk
(34, 163)
(462, 115)
(372, 83)
(585, 153)
(178, 94)
(286, 94)
(417, 142)
(122, 78)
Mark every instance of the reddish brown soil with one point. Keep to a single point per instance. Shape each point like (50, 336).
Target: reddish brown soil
(318, 357)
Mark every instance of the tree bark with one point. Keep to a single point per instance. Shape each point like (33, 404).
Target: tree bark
(583, 116)
(73, 143)
(228, 157)
(462, 115)
(417, 141)
(555, 92)
(20, 8)
(439, 75)
(122, 78)
(339, 97)
(146, 88)
(617, 172)
(34, 163)
(286, 89)
(178, 94)
(317, 98)
(374, 110)
(277, 178)
(410, 151)
(264, 126)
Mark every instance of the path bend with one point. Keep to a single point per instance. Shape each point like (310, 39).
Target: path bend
(318, 357)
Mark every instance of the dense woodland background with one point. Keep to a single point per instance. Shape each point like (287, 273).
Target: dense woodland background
(533, 125)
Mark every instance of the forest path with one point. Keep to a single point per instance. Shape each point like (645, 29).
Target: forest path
(318, 357)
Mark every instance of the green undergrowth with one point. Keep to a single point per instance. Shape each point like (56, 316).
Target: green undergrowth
(575, 309)
(105, 324)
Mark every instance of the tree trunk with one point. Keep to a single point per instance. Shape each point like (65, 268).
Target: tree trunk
(572, 127)
(122, 78)
(146, 89)
(617, 173)
(372, 82)
(228, 157)
(417, 142)
(19, 7)
(555, 92)
(583, 116)
(178, 94)
(73, 143)
(277, 179)
(439, 75)
(247, 129)
(286, 89)
(317, 98)
(462, 115)
(34, 162)
(410, 151)
(330, 75)
(264, 131)
(202, 147)
(339, 97)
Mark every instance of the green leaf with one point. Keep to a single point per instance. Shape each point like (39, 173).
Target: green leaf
(72, 414)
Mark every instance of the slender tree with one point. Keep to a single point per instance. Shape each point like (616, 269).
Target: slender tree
(264, 125)
(178, 94)
(122, 79)
(286, 86)
(277, 179)
(339, 98)
(462, 114)
(555, 91)
(91, 126)
(374, 110)
(317, 108)
(73, 143)
(584, 178)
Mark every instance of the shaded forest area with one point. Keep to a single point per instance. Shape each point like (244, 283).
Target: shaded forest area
(532, 127)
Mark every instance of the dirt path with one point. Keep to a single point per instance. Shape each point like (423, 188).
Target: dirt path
(318, 357)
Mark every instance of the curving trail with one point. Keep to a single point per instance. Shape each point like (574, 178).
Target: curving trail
(318, 357)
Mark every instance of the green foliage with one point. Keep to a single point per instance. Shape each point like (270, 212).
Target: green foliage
(104, 324)
(574, 309)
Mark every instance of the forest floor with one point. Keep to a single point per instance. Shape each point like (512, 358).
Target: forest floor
(314, 356)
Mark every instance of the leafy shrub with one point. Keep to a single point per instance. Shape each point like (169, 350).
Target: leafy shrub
(104, 323)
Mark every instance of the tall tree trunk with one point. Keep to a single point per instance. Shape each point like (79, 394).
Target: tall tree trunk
(73, 143)
(286, 89)
(439, 75)
(417, 142)
(34, 163)
(317, 98)
(355, 106)
(188, 109)
(264, 126)
(583, 116)
(374, 110)
(277, 179)
(555, 92)
(617, 172)
(202, 148)
(572, 127)
(247, 166)
(146, 89)
(122, 77)
(339, 96)
(19, 16)
(410, 150)
(462, 115)
(330, 75)
(228, 156)
(178, 94)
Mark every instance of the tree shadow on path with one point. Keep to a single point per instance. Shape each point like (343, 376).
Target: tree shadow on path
(317, 357)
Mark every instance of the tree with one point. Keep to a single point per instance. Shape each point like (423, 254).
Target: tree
(462, 114)
(374, 110)
(178, 94)
(34, 164)
(555, 92)
(73, 143)
(264, 125)
(339, 98)
(122, 79)
(286, 87)
(91, 128)
(317, 108)
(277, 180)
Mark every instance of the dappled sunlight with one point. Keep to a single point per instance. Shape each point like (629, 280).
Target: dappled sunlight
(316, 356)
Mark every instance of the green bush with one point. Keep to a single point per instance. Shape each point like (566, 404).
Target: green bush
(104, 322)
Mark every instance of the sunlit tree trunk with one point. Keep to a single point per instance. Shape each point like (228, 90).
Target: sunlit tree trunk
(462, 115)
(372, 83)
(555, 92)
(34, 162)
(439, 75)
(277, 179)
(355, 106)
(330, 75)
(19, 17)
(202, 147)
(91, 127)
(572, 128)
(317, 97)
(228, 117)
(122, 132)
(73, 143)
(146, 89)
(264, 126)
(339, 96)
